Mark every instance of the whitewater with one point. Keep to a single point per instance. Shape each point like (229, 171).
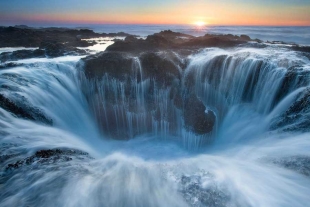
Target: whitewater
(250, 159)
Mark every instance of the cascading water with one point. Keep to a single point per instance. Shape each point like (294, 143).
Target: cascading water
(259, 154)
(121, 106)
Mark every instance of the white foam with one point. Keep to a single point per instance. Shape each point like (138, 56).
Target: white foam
(12, 49)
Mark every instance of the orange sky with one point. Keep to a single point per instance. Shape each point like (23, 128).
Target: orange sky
(221, 12)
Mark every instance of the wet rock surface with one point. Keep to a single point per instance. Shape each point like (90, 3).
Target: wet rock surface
(300, 164)
(56, 49)
(168, 40)
(52, 42)
(295, 77)
(28, 170)
(24, 110)
(139, 84)
(128, 86)
(160, 67)
(9, 65)
(196, 117)
(197, 194)
(115, 64)
(47, 157)
(297, 116)
(21, 54)
(33, 37)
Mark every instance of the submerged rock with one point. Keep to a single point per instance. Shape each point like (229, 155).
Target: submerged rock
(300, 164)
(295, 77)
(24, 110)
(9, 65)
(197, 194)
(196, 116)
(297, 116)
(49, 157)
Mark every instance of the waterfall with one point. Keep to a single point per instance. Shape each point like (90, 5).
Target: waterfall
(122, 106)
(47, 91)
(141, 150)
(223, 80)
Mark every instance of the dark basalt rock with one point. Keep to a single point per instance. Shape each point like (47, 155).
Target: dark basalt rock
(48, 157)
(156, 42)
(164, 69)
(115, 64)
(64, 164)
(301, 164)
(119, 65)
(210, 40)
(33, 37)
(196, 118)
(21, 54)
(132, 45)
(5, 157)
(56, 49)
(117, 34)
(197, 195)
(53, 49)
(172, 36)
(245, 38)
(9, 65)
(305, 49)
(168, 40)
(131, 38)
(24, 110)
(162, 58)
(297, 116)
(160, 67)
(295, 77)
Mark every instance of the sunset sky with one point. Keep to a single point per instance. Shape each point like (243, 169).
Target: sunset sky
(213, 12)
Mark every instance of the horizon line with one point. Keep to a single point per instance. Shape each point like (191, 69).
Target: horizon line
(167, 24)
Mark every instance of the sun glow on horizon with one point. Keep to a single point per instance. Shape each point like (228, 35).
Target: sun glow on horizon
(200, 23)
(201, 14)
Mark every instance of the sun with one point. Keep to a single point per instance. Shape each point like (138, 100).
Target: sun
(200, 23)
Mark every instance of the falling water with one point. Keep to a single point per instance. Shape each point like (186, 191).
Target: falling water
(258, 154)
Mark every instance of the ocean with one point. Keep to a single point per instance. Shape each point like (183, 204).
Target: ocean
(289, 34)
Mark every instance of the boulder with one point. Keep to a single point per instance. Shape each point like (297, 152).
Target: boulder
(245, 37)
(114, 64)
(196, 118)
